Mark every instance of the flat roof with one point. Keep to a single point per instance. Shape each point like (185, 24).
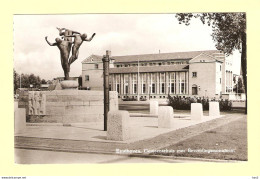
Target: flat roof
(155, 57)
(143, 69)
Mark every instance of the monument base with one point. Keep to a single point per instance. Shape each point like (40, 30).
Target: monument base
(73, 106)
(69, 84)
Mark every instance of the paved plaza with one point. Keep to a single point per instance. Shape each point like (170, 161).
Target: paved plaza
(141, 128)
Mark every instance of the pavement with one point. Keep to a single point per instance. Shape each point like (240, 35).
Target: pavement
(89, 139)
(141, 128)
(25, 156)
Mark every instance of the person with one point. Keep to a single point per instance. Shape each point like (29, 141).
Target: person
(78, 40)
(66, 32)
(64, 47)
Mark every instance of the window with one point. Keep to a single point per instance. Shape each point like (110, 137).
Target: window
(118, 66)
(182, 82)
(220, 80)
(86, 77)
(172, 82)
(153, 82)
(194, 74)
(172, 88)
(96, 66)
(143, 89)
(153, 88)
(135, 88)
(126, 78)
(118, 88)
(220, 67)
(163, 88)
(134, 82)
(162, 83)
(182, 88)
(159, 64)
(143, 82)
(118, 83)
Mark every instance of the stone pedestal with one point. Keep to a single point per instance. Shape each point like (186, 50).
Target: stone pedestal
(69, 84)
(196, 111)
(165, 116)
(154, 107)
(113, 101)
(118, 125)
(15, 105)
(214, 109)
(19, 120)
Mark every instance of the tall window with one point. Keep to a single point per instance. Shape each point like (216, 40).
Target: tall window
(162, 83)
(153, 88)
(118, 83)
(86, 77)
(134, 81)
(172, 82)
(182, 82)
(126, 81)
(153, 82)
(143, 82)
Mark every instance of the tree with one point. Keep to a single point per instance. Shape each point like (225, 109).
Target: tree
(229, 34)
(43, 81)
(27, 80)
(239, 88)
(16, 80)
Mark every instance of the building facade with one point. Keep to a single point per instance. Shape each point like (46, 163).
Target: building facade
(196, 73)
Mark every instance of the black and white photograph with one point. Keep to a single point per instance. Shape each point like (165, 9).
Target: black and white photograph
(130, 88)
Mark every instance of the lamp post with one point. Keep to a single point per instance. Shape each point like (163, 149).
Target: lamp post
(138, 82)
(105, 60)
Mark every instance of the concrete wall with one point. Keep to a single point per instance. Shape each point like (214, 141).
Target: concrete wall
(95, 76)
(71, 106)
(206, 78)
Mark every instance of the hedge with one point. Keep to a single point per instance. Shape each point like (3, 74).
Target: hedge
(184, 103)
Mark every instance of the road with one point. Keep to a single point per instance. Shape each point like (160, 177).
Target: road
(53, 157)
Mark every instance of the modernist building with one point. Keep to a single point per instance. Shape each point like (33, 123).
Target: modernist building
(196, 73)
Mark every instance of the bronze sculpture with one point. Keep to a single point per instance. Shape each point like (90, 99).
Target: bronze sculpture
(65, 44)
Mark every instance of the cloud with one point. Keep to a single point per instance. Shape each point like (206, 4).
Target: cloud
(123, 34)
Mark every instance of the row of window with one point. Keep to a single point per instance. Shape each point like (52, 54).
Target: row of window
(154, 82)
(151, 64)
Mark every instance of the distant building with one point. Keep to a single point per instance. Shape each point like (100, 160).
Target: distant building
(44, 87)
(197, 73)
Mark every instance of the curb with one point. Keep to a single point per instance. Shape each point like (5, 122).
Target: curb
(130, 155)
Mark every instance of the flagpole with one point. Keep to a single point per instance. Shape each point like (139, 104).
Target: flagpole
(138, 82)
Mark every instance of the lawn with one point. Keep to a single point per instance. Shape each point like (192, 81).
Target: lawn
(228, 142)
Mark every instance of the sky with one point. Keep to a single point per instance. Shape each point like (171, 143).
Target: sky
(123, 34)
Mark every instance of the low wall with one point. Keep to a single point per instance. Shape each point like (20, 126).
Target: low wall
(65, 106)
(239, 96)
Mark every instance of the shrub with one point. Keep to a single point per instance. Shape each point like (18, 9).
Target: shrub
(184, 103)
